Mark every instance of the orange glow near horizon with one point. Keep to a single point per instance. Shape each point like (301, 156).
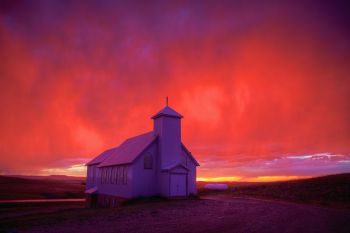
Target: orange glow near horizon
(220, 179)
(264, 88)
(252, 179)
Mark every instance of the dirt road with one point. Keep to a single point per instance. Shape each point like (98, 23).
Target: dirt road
(222, 215)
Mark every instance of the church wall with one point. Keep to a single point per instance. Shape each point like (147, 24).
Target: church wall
(164, 183)
(145, 181)
(192, 189)
(179, 170)
(88, 178)
(91, 178)
(169, 131)
(109, 186)
(187, 161)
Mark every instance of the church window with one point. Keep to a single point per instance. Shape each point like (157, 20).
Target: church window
(121, 175)
(118, 175)
(110, 175)
(125, 178)
(105, 176)
(148, 161)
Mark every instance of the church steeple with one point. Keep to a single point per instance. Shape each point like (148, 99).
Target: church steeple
(167, 111)
(167, 125)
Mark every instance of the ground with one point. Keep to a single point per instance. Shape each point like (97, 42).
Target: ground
(313, 205)
(212, 214)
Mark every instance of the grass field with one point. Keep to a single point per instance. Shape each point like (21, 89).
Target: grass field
(173, 216)
(332, 190)
(45, 187)
(241, 208)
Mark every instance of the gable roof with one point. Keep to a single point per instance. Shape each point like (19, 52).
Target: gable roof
(129, 150)
(171, 167)
(101, 157)
(189, 154)
(167, 111)
(126, 152)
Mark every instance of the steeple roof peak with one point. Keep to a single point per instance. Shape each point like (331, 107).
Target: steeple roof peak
(167, 111)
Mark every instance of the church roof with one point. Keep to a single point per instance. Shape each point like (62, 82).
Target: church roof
(126, 152)
(101, 157)
(174, 166)
(167, 111)
(189, 154)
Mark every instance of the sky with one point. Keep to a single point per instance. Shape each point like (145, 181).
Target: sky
(263, 86)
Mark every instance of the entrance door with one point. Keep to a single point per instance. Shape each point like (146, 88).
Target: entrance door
(178, 185)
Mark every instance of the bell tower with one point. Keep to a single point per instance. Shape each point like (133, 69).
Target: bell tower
(167, 125)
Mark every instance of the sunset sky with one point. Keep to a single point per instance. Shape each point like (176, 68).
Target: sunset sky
(264, 86)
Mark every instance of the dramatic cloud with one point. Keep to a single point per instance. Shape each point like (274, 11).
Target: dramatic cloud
(256, 81)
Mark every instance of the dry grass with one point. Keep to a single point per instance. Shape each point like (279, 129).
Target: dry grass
(332, 190)
(196, 215)
(230, 215)
(14, 188)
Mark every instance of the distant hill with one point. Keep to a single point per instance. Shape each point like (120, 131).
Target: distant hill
(325, 190)
(51, 177)
(201, 184)
(41, 187)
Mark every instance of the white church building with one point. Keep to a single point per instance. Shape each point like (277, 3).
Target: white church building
(156, 163)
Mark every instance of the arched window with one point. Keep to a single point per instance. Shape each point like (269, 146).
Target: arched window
(112, 175)
(118, 175)
(148, 161)
(110, 170)
(125, 178)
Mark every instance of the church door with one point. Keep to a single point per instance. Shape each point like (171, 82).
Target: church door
(178, 185)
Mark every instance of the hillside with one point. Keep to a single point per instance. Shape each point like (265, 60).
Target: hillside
(16, 188)
(326, 190)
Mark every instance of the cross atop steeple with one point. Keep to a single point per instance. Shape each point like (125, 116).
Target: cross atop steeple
(167, 111)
